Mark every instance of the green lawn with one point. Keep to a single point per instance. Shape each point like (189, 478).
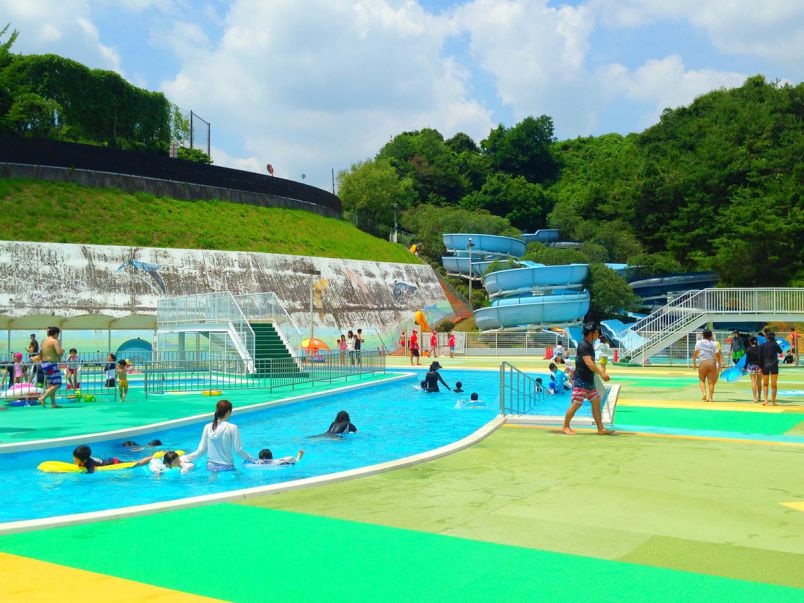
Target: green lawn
(92, 216)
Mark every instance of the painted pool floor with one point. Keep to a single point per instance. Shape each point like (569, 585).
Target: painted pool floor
(526, 514)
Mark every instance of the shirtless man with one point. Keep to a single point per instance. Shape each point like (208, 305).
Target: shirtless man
(51, 356)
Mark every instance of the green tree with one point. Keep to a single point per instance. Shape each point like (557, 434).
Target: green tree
(431, 164)
(32, 115)
(554, 256)
(513, 197)
(196, 155)
(609, 293)
(524, 150)
(429, 222)
(370, 189)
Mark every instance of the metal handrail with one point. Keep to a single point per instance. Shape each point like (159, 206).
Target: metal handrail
(270, 373)
(218, 307)
(518, 390)
(693, 307)
(266, 306)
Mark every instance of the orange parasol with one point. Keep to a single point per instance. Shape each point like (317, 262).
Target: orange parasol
(314, 344)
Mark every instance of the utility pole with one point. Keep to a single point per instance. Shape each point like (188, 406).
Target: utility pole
(469, 246)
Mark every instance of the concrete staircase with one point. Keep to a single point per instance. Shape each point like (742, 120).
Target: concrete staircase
(269, 345)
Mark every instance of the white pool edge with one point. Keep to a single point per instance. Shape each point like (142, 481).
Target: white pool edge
(127, 432)
(27, 525)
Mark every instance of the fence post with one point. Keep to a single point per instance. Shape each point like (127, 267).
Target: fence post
(502, 388)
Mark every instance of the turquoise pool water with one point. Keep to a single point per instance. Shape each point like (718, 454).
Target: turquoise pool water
(394, 421)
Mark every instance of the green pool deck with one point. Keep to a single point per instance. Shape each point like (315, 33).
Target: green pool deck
(526, 514)
(23, 424)
(249, 554)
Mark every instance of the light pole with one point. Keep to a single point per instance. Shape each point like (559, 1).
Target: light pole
(396, 238)
(313, 274)
(469, 246)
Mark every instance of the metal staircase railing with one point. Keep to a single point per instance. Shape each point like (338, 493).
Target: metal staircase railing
(518, 391)
(694, 308)
(266, 306)
(207, 309)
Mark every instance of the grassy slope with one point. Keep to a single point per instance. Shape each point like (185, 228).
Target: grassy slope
(70, 213)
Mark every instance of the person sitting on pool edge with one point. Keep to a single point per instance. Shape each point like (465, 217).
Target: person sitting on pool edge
(342, 424)
(433, 377)
(266, 457)
(458, 387)
(82, 457)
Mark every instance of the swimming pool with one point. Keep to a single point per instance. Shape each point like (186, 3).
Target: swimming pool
(394, 421)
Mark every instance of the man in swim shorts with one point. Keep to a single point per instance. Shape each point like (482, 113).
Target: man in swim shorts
(583, 381)
(51, 356)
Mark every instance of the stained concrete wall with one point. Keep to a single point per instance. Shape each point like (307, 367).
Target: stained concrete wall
(66, 280)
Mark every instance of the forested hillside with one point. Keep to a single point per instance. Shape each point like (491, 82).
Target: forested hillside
(714, 185)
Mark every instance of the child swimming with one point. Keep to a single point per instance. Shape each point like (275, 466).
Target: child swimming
(170, 460)
(458, 387)
(82, 457)
(266, 457)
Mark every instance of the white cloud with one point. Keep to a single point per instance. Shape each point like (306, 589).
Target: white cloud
(322, 84)
(537, 55)
(665, 83)
(64, 28)
(773, 30)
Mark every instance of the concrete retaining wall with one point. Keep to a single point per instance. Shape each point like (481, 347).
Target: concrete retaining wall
(66, 280)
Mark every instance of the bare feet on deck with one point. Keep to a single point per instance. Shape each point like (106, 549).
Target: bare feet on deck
(568, 431)
(605, 432)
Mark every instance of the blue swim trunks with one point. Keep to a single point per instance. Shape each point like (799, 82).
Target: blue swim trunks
(52, 373)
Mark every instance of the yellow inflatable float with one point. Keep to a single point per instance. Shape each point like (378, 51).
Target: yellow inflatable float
(62, 467)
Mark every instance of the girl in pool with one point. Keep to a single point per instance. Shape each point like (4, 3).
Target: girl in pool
(218, 440)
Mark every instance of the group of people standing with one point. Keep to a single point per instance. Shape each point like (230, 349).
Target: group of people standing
(351, 346)
(412, 345)
(44, 362)
(761, 363)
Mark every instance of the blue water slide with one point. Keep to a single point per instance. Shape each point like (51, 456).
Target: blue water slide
(485, 243)
(543, 235)
(575, 335)
(521, 280)
(661, 285)
(535, 310)
(460, 265)
(613, 329)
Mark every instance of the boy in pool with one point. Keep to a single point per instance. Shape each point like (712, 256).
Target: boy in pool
(458, 387)
(82, 456)
(170, 460)
(267, 458)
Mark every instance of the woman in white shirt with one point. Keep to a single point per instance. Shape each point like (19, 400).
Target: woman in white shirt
(708, 360)
(219, 439)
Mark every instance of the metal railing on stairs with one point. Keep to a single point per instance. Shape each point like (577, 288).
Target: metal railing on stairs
(214, 310)
(266, 306)
(694, 308)
(519, 392)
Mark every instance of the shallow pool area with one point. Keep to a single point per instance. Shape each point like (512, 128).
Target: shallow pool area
(394, 420)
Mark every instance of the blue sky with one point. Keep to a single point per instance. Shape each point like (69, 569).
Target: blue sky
(314, 85)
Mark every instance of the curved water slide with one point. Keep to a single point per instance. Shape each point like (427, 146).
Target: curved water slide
(531, 295)
(542, 310)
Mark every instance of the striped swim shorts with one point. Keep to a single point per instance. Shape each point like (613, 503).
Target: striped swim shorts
(580, 394)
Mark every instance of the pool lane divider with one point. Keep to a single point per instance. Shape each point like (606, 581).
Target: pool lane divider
(130, 432)
(27, 525)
